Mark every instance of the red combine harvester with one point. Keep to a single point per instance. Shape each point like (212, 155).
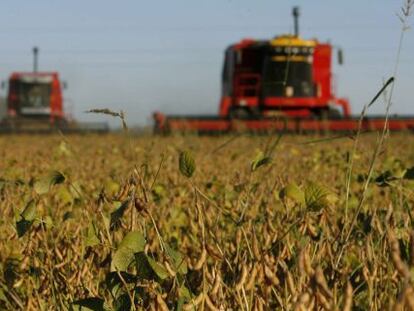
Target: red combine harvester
(35, 104)
(282, 84)
(35, 95)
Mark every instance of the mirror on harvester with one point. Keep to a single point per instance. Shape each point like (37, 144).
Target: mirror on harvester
(340, 57)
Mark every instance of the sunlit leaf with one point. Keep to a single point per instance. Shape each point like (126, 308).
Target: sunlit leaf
(259, 161)
(76, 190)
(48, 222)
(111, 187)
(92, 236)
(63, 149)
(42, 185)
(292, 192)
(178, 260)
(2, 296)
(106, 222)
(64, 195)
(123, 257)
(159, 269)
(184, 296)
(158, 192)
(318, 197)
(26, 218)
(29, 212)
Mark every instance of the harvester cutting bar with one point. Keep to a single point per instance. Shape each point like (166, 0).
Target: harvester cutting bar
(78, 128)
(212, 124)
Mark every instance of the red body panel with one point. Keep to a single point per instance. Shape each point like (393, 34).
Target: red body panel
(322, 70)
(225, 105)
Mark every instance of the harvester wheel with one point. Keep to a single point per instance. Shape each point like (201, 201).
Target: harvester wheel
(330, 113)
(61, 123)
(334, 114)
(239, 113)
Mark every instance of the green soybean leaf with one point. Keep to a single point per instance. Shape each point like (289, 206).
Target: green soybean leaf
(159, 192)
(90, 304)
(114, 283)
(2, 295)
(27, 217)
(106, 222)
(158, 269)
(178, 260)
(292, 192)
(118, 213)
(122, 303)
(22, 226)
(318, 197)
(123, 257)
(42, 185)
(148, 268)
(144, 269)
(184, 296)
(92, 236)
(11, 271)
(186, 164)
(29, 212)
(63, 149)
(48, 222)
(385, 179)
(76, 190)
(409, 173)
(134, 240)
(65, 196)
(259, 161)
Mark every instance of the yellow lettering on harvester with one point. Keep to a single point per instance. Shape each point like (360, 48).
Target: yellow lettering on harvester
(292, 58)
(292, 41)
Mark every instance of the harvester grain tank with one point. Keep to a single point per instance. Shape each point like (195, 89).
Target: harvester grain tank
(282, 84)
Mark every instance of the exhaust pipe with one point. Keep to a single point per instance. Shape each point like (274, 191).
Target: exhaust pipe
(295, 13)
(35, 60)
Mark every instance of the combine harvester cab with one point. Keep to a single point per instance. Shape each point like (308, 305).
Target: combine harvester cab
(282, 84)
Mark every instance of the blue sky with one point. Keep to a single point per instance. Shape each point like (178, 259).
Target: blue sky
(141, 56)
